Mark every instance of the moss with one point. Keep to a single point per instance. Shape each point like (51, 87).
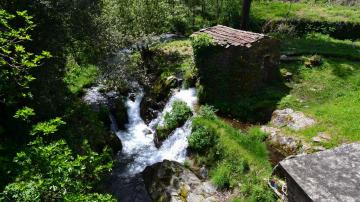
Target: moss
(179, 114)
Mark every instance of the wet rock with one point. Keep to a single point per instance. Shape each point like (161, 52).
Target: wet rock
(147, 131)
(150, 107)
(171, 181)
(127, 189)
(132, 97)
(292, 119)
(114, 142)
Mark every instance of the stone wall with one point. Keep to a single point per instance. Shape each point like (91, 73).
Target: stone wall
(230, 75)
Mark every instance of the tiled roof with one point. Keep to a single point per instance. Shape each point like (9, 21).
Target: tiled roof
(227, 36)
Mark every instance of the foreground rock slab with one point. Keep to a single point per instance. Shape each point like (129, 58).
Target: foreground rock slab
(331, 175)
(171, 181)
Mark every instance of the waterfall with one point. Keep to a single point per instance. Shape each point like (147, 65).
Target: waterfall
(138, 138)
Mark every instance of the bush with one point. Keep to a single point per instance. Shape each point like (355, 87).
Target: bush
(78, 77)
(94, 197)
(179, 114)
(207, 112)
(49, 172)
(257, 134)
(256, 189)
(201, 138)
(221, 176)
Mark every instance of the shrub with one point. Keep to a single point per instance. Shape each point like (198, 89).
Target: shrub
(207, 112)
(221, 176)
(201, 41)
(49, 172)
(257, 134)
(78, 77)
(256, 189)
(201, 138)
(93, 197)
(179, 114)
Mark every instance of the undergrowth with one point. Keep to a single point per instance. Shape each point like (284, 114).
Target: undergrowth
(235, 159)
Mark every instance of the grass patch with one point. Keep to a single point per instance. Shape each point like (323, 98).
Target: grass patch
(236, 159)
(78, 77)
(323, 45)
(279, 10)
(331, 94)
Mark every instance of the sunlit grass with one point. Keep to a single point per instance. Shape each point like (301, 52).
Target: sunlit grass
(329, 93)
(276, 10)
(243, 159)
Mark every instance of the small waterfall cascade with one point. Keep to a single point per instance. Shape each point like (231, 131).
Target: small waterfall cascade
(138, 138)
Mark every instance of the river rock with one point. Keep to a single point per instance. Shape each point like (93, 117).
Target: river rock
(114, 142)
(171, 181)
(286, 145)
(292, 119)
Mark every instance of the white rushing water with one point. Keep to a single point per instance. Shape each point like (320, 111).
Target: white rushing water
(138, 138)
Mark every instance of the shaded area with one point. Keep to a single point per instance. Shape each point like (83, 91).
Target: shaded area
(322, 45)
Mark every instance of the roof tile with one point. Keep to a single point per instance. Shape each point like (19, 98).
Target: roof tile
(226, 36)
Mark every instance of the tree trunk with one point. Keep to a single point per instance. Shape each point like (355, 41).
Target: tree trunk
(245, 14)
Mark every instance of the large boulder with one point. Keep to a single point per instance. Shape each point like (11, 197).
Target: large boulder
(171, 181)
(292, 119)
(284, 144)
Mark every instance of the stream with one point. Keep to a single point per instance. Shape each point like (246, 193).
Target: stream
(126, 182)
(139, 149)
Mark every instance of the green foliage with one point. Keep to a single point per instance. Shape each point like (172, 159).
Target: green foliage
(201, 41)
(201, 138)
(24, 113)
(327, 93)
(241, 158)
(207, 112)
(52, 171)
(257, 134)
(78, 77)
(276, 10)
(256, 189)
(175, 58)
(16, 62)
(94, 197)
(179, 114)
(47, 127)
(221, 176)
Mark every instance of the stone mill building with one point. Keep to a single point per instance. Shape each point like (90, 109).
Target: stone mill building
(235, 65)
